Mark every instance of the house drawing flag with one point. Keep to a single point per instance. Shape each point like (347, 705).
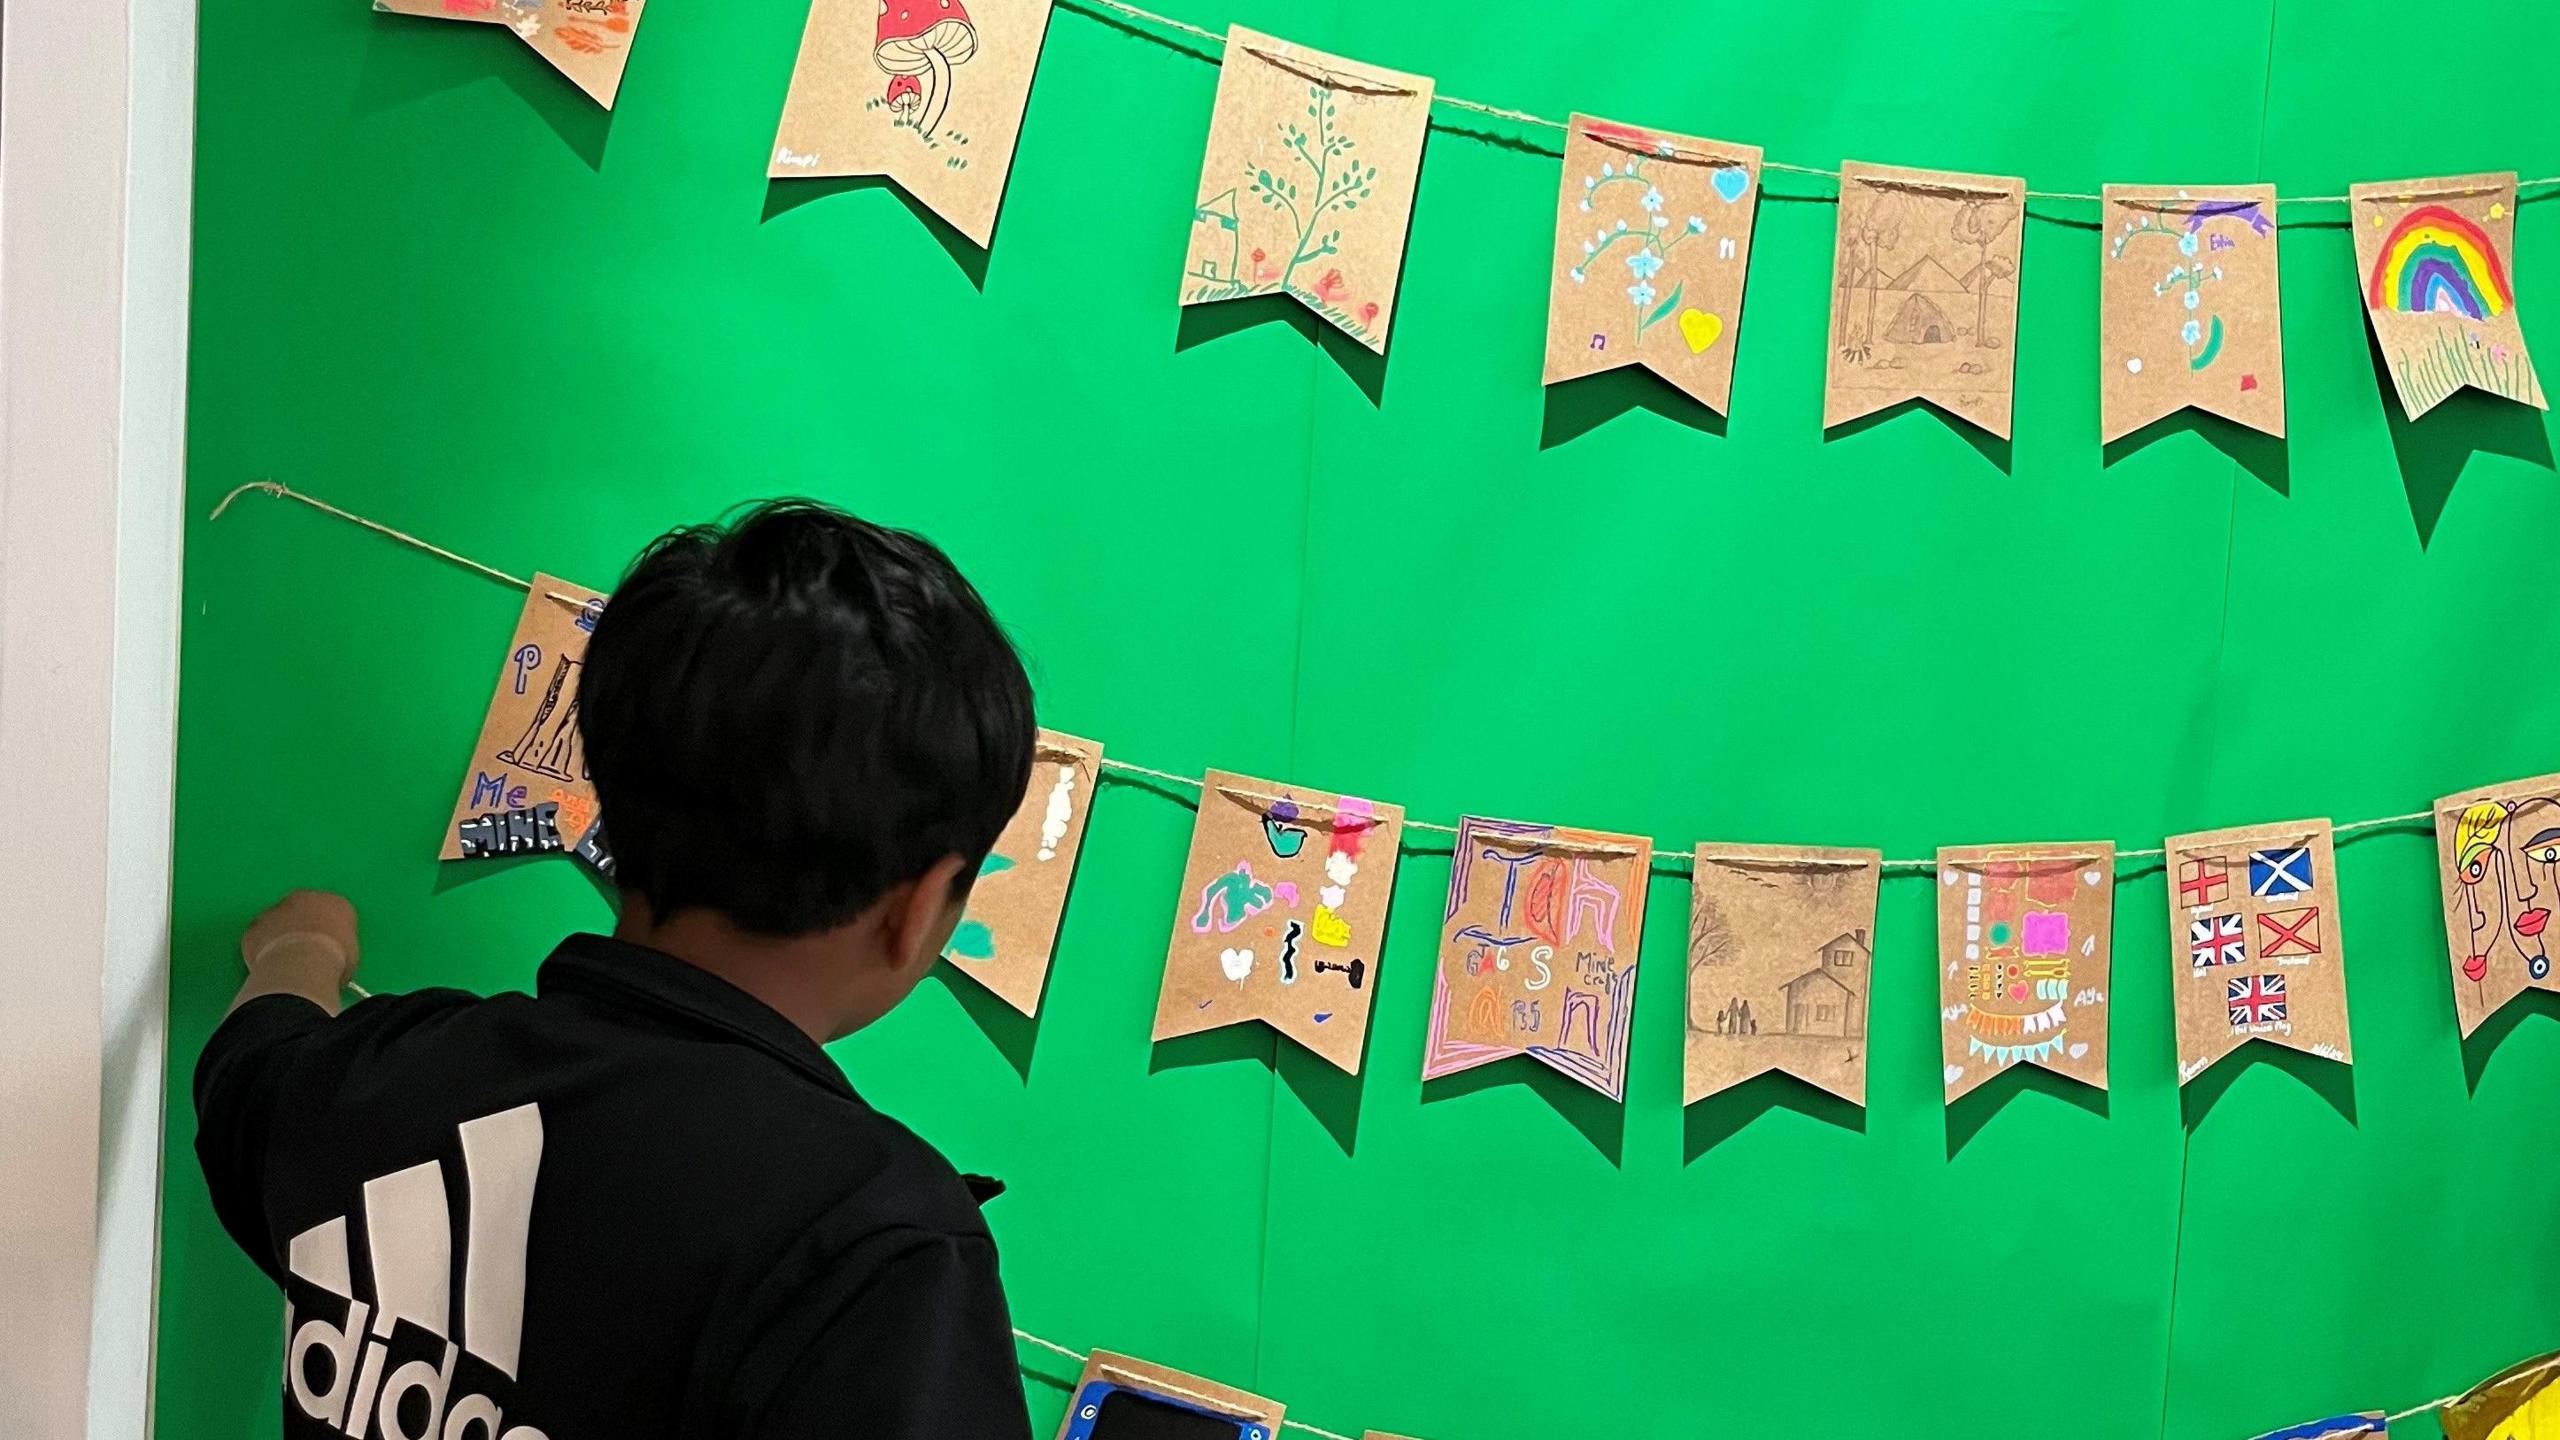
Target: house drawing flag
(1538, 951)
(2187, 307)
(1924, 294)
(588, 41)
(2498, 849)
(929, 93)
(2024, 941)
(1307, 187)
(2254, 946)
(1653, 241)
(1282, 908)
(1006, 938)
(1781, 948)
(2435, 257)
(526, 790)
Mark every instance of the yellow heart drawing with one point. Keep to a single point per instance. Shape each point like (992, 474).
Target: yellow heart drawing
(1700, 329)
(1331, 929)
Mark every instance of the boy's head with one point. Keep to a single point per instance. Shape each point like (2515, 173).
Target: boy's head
(805, 725)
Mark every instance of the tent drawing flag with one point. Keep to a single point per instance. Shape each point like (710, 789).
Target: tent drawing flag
(2187, 307)
(588, 41)
(2024, 941)
(2434, 256)
(1005, 939)
(929, 93)
(1924, 294)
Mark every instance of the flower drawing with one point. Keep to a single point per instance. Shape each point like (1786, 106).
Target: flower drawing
(1645, 246)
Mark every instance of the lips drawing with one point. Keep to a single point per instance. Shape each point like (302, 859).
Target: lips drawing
(2476, 968)
(2530, 923)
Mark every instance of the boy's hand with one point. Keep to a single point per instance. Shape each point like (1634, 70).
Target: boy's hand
(304, 944)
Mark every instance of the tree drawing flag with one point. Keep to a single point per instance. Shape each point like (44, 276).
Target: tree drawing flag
(1924, 294)
(2434, 259)
(588, 41)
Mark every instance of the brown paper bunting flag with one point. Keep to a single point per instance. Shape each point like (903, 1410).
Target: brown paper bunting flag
(2255, 952)
(927, 92)
(1924, 294)
(1781, 944)
(2369, 1425)
(526, 791)
(1653, 239)
(1117, 1395)
(587, 40)
(2187, 310)
(1005, 940)
(1284, 901)
(2499, 851)
(2436, 257)
(1308, 185)
(2023, 947)
(2521, 1402)
(1538, 951)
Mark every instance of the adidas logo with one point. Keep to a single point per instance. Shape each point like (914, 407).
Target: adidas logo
(342, 1374)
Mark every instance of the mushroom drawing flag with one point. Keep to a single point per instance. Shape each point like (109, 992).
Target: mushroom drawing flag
(929, 93)
(587, 40)
(2434, 257)
(1307, 188)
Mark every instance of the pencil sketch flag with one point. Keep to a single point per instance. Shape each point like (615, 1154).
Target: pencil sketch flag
(2435, 257)
(2521, 1402)
(929, 93)
(1283, 905)
(588, 41)
(1924, 294)
(526, 789)
(1653, 240)
(2365, 1425)
(2024, 941)
(1538, 950)
(2498, 850)
(2254, 948)
(1117, 1395)
(2187, 307)
(1781, 947)
(1010, 929)
(1307, 188)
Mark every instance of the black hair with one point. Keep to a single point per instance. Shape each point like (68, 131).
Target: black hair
(789, 713)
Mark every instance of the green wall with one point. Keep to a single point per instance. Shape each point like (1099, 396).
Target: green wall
(434, 286)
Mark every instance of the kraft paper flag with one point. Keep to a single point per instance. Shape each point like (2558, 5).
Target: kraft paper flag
(1538, 951)
(2367, 1425)
(1653, 239)
(2187, 311)
(2519, 1403)
(2435, 257)
(1924, 294)
(1781, 944)
(1284, 902)
(2499, 851)
(1005, 940)
(927, 92)
(1118, 1398)
(2023, 946)
(2254, 948)
(587, 40)
(1308, 185)
(526, 790)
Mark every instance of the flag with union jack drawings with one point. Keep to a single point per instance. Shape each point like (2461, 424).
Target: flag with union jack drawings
(2262, 958)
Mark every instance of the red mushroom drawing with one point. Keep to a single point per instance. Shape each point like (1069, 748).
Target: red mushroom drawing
(904, 95)
(927, 38)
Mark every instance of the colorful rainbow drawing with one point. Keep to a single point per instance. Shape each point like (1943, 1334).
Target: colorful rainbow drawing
(2435, 260)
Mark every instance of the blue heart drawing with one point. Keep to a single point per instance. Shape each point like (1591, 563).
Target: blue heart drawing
(1731, 181)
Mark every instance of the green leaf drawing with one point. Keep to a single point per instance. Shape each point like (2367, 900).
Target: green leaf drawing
(1668, 301)
(972, 941)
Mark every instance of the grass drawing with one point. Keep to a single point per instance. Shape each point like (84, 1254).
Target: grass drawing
(2430, 375)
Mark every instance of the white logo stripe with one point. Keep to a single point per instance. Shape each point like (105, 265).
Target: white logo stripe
(410, 1234)
(319, 1255)
(501, 1154)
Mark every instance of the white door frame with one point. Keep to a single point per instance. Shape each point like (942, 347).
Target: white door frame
(97, 121)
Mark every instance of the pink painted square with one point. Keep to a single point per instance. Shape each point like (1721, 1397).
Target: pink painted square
(2048, 932)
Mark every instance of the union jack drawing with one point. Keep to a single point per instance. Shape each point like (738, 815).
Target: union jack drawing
(2255, 1000)
(2216, 940)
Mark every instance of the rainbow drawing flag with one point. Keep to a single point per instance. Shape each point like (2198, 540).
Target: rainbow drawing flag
(2434, 256)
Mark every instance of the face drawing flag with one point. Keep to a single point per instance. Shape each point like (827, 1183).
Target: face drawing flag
(1119, 1396)
(2499, 851)
(927, 92)
(1781, 944)
(1005, 938)
(2367, 1425)
(2254, 949)
(2435, 257)
(2518, 1403)
(587, 40)
(1284, 901)
(1538, 951)
(2187, 312)
(2023, 947)
(1924, 294)
(1653, 238)
(1308, 185)
(526, 790)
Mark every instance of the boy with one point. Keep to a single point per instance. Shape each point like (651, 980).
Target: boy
(642, 1202)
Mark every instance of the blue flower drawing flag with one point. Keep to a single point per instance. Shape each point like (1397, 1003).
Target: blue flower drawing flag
(2187, 307)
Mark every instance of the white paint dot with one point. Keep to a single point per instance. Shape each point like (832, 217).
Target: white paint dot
(2133, 366)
